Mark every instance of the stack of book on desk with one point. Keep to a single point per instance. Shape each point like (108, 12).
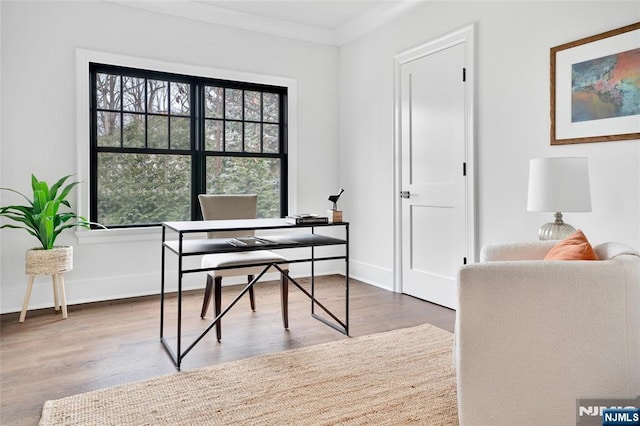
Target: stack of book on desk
(307, 219)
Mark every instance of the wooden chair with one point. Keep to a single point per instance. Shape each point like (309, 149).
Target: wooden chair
(227, 207)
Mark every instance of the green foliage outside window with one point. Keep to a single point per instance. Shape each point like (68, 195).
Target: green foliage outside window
(143, 188)
(234, 175)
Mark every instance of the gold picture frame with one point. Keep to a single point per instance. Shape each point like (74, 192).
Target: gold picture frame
(592, 82)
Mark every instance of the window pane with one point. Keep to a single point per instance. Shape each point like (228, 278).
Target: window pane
(233, 136)
(213, 101)
(158, 96)
(213, 135)
(180, 99)
(108, 91)
(271, 139)
(140, 189)
(133, 130)
(271, 107)
(252, 107)
(158, 131)
(233, 104)
(108, 128)
(133, 96)
(229, 175)
(180, 133)
(252, 137)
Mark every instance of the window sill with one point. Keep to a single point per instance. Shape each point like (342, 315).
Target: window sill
(147, 233)
(100, 236)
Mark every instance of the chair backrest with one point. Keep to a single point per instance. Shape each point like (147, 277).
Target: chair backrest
(223, 207)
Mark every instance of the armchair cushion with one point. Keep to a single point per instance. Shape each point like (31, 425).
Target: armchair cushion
(612, 250)
(534, 250)
(574, 247)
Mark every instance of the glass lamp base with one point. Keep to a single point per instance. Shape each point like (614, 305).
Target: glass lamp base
(557, 230)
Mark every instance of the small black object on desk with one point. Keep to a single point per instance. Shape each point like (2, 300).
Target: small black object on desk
(334, 199)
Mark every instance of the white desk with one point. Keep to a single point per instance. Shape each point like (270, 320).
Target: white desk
(182, 248)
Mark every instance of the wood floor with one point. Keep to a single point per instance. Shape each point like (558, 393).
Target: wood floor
(109, 343)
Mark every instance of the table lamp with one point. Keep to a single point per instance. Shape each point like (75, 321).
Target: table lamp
(558, 185)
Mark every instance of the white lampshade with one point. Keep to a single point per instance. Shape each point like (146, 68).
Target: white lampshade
(559, 184)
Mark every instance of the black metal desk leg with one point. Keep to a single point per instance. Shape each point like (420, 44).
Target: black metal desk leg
(162, 285)
(346, 278)
(313, 280)
(179, 335)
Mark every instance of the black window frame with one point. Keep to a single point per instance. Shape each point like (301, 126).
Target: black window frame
(197, 144)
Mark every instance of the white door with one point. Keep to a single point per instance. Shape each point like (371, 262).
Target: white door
(434, 170)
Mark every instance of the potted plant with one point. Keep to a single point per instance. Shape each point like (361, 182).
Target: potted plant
(44, 219)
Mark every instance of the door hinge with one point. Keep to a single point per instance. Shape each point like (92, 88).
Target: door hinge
(464, 260)
(464, 169)
(464, 74)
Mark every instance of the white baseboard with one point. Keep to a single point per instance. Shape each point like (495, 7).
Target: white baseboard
(371, 274)
(121, 287)
(82, 291)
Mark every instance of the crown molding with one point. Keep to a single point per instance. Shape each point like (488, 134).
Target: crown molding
(213, 14)
(372, 19)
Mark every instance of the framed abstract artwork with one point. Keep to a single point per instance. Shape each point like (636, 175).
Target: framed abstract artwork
(595, 88)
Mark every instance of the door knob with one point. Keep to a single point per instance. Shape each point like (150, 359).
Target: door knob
(405, 194)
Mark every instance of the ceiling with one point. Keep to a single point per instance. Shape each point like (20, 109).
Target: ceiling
(323, 14)
(332, 22)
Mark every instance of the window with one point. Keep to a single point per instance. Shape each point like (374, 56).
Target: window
(160, 139)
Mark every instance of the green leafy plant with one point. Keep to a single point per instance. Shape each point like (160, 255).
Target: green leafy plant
(42, 218)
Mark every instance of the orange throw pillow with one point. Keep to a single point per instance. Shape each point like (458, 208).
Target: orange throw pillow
(574, 247)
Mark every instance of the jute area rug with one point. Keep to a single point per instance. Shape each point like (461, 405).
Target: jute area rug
(393, 378)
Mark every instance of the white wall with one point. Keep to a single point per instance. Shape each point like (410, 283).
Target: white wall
(344, 94)
(39, 42)
(512, 124)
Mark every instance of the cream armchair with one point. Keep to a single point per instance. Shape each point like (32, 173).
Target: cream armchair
(533, 336)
